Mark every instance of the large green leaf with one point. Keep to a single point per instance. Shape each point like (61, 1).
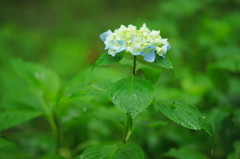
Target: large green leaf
(185, 153)
(115, 151)
(10, 119)
(132, 95)
(106, 59)
(184, 115)
(38, 76)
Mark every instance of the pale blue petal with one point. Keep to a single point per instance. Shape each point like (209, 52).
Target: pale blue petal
(165, 49)
(106, 47)
(168, 46)
(112, 52)
(104, 35)
(113, 44)
(132, 39)
(116, 47)
(149, 53)
(121, 43)
(148, 50)
(119, 50)
(122, 46)
(150, 57)
(164, 52)
(136, 51)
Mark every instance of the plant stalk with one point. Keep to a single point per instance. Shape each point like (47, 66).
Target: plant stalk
(128, 128)
(53, 122)
(134, 65)
(129, 117)
(58, 133)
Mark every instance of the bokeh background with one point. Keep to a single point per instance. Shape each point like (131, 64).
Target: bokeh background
(64, 36)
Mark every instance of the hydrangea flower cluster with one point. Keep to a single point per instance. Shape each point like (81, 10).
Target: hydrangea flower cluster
(141, 41)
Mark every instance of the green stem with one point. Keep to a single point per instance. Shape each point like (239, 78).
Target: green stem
(128, 128)
(53, 121)
(134, 65)
(129, 117)
(58, 133)
(48, 113)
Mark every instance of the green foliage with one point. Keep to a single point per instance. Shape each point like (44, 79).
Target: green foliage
(132, 95)
(106, 59)
(185, 153)
(151, 74)
(184, 115)
(217, 115)
(52, 156)
(236, 153)
(5, 143)
(41, 78)
(115, 151)
(9, 119)
(163, 62)
(219, 78)
(93, 88)
(126, 61)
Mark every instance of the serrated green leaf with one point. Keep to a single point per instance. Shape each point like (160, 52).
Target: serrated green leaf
(132, 95)
(185, 153)
(38, 76)
(184, 115)
(115, 151)
(106, 59)
(163, 62)
(10, 119)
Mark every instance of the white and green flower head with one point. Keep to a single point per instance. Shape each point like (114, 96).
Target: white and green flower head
(143, 41)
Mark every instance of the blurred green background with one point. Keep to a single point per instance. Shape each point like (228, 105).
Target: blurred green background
(64, 36)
